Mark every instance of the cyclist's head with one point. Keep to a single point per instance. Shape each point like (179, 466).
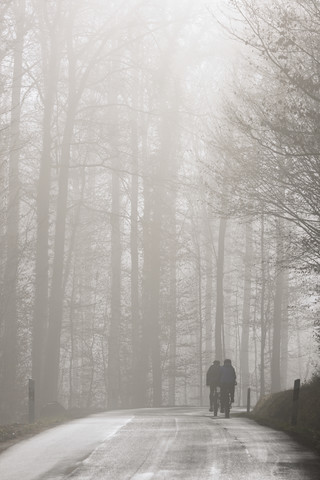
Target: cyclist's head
(216, 362)
(227, 361)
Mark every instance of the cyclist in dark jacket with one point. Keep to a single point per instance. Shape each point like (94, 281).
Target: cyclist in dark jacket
(227, 378)
(213, 380)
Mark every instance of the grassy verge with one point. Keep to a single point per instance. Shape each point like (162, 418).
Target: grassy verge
(13, 433)
(16, 430)
(276, 410)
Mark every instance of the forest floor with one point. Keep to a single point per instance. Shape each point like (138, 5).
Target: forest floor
(275, 411)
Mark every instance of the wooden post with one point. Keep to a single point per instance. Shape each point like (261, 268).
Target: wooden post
(296, 391)
(248, 399)
(31, 401)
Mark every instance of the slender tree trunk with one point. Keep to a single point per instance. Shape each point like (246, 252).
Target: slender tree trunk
(75, 229)
(150, 300)
(9, 299)
(262, 314)
(143, 369)
(244, 348)
(285, 330)
(256, 341)
(68, 265)
(40, 316)
(156, 224)
(72, 342)
(173, 309)
(156, 238)
(299, 346)
(200, 328)
(219, 325)
(134, 252)
(277, 315)
(208, 305)
(115, 323)
(52, 357)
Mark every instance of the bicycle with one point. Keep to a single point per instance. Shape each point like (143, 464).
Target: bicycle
(214, 399)
(226, 400)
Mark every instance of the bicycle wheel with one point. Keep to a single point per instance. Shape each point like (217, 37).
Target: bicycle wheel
(227, 406)
(223, 400)
(215, 405)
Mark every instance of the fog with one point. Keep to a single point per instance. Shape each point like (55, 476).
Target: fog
(159, 200)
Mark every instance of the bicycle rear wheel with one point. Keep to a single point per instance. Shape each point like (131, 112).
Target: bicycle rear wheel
(215, 405)
(227, 406)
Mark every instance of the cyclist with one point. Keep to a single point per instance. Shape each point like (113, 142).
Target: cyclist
(213, 381)
(227, 380)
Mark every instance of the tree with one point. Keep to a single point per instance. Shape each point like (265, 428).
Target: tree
(279, 117)
(244, 347)
(51, 55)
(10, 280)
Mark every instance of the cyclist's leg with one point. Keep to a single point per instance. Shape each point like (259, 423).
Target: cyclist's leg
(228, 401)
(215, 401)
(223, 395)
(211, 397)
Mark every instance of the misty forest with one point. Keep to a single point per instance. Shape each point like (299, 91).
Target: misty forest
(159, 199)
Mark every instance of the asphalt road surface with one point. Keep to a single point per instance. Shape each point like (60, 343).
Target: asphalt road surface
(159, 444)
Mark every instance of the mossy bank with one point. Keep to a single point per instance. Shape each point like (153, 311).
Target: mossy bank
(276, 411)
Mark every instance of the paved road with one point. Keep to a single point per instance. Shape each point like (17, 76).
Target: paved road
(159, 444)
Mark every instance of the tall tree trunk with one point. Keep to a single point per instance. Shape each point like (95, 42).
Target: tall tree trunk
(115, 322)
(52, 357)
(155, 234)
(156, 238)
(40, 316)
(150, 300)
(262, 313)
(134, 253)
(200, 328)
(9, 300)
(244, 347)
(208, 304)
(285, 330)
(219, 325)
(76, 87)
(68, 265)
(173, 309)
(143, 369)
(72, 341)
(277, 313)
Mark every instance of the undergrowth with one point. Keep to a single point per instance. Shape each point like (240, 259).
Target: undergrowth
(276, 411)
(18, 430)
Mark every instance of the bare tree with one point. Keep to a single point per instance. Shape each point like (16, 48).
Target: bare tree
(9, 294)
(244, 347)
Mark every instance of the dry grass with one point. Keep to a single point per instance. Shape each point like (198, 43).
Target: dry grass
(276, 411)
(11, 434)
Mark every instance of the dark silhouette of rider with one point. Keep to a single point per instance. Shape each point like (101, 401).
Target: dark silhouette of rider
(227, 379)
(213, 380)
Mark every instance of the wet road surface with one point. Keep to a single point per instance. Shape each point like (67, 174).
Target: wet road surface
(159, 444)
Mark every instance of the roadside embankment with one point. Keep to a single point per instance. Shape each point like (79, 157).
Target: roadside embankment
(13, 433)
(276, 411)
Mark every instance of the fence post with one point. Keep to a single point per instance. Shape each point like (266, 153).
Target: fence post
(248, 399)
(296, 391)
(31, 400)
